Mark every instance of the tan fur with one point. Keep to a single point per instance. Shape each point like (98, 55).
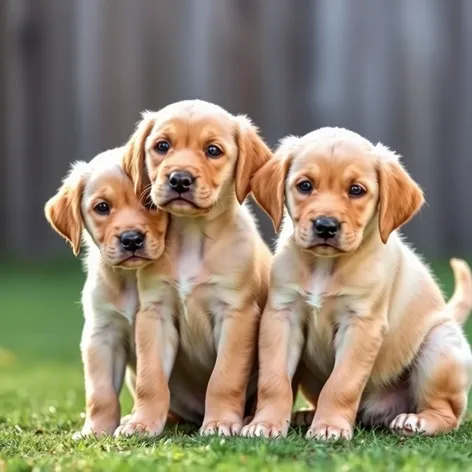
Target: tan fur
(210, 290)
(360, 321)
(268, 186)
(110, 295)
(63, 211)
(459, 304)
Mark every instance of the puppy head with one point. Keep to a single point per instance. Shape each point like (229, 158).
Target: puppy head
(336, 186)
(194, 154)
(99, 197)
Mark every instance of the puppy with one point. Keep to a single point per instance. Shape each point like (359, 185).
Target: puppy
(198, 322)
(353, 313)
(97, 201)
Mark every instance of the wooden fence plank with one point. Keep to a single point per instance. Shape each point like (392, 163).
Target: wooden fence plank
(75, 74)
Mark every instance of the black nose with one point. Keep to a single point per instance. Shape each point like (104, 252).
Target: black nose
(326, 227)
(180, 181)
(132, 240)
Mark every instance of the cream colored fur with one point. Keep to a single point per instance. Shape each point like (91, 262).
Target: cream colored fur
(360, 324)
(110, 294)
(200, 308)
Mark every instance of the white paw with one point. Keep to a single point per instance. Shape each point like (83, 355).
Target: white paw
(93, 430)
(408, 424)
(78, 435)
(323, 431)
(125, 419)
(265, 429)
(140, 428)
(220, 428)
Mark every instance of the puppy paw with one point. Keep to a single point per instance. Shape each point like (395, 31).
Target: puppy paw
(221, 428)
(408, 424)
(125, 419)
(94, 429)
(84, 433)
(330, 430)
(137, 425)
(265, 429)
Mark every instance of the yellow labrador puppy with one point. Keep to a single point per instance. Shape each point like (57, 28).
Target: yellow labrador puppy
(353, 313)
(97, 204)
(198, 322)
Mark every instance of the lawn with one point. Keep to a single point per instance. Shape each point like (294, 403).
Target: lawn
(42, 402)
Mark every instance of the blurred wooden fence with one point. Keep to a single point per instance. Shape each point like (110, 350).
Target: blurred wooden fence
(74, 75)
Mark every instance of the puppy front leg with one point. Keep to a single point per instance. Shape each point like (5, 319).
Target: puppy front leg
(104, 360)
(357, 345)
(155, 349)
(280, 345)
(226, 391)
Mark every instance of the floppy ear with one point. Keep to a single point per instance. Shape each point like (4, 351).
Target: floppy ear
(253, 154)
(268, 185)
(63, 210)
(400, 196)
(134, 164)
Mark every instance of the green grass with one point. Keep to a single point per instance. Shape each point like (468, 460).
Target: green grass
(42, 401)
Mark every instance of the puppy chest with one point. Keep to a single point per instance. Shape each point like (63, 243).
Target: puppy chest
(320, 320)
(189, 265)
(329, 330)
(317, 286)
(196, 322)
(126, 301)
(201, 317)
(319, 352)
(197, 332)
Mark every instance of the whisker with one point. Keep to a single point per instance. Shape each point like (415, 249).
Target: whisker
(168, 258)
(145, 194)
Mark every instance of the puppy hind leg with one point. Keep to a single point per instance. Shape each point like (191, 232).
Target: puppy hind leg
(440, 382)
(380, 406)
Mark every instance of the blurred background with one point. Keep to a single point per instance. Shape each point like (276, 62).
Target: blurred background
(75, 74)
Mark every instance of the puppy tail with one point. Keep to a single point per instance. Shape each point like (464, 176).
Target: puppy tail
(460, 303)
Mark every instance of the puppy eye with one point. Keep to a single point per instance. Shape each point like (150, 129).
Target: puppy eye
(102, 208)
(305, 186)
(162, 147)
(213, 151)
(356, 191)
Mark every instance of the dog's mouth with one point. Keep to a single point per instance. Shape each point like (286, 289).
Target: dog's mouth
(183, 206)
(326, 248)
(320, 242)
(133, 260)
(181, 201)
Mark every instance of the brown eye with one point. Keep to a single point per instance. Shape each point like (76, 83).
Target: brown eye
(305, 186)
(356, 191)
(102, 208)
(162, 147)
(213, 151)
